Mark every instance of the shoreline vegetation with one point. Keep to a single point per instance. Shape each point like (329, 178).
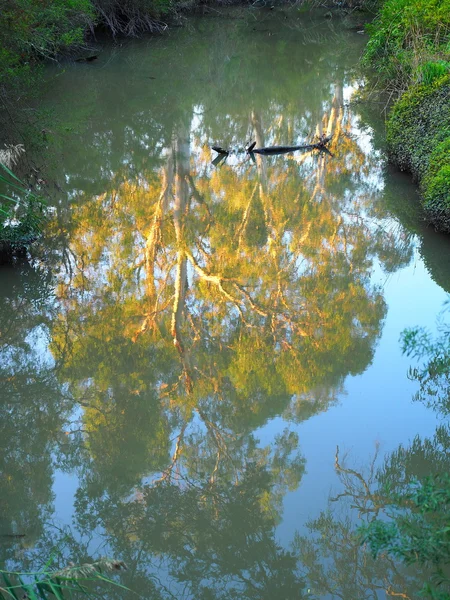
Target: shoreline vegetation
(408, 53)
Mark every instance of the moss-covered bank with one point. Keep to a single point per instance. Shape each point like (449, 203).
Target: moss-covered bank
(409, 49)
(418, 135)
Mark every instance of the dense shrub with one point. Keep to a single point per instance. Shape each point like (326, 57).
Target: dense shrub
(418, 138)
(131, 17)
(437, 197)
(409, 48)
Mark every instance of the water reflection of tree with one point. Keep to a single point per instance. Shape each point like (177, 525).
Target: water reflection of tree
(192, 262)
(32, 407)
(333, 559)
(203, 535)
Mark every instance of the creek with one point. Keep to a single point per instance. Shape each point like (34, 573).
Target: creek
(204, 376)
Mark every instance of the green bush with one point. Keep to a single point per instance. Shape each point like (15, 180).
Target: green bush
(419, 121)
(436, 185)
(409, 47)
(436, 192)
(36, 28)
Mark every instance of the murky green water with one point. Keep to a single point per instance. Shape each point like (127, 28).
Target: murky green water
(204, 377)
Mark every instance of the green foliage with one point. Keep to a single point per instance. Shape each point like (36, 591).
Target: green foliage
(409, 48)
(60, 584)
(437, 198)
(433, 70)
(419, 121)
(419, 531)
(436, 184)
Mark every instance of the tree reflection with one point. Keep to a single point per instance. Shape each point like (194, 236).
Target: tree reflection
(334, 561)
(31, 403)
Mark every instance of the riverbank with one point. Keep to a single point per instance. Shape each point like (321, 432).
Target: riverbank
(409, 49)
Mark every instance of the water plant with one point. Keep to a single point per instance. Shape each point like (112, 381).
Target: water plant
(61, 584)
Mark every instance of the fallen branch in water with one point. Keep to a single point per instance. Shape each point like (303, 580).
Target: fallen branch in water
(272, 150)
(220, 150)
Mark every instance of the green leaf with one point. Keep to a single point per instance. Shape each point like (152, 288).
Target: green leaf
(50, 560)
(7, 592)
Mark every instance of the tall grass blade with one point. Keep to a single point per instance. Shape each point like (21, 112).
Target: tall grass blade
(8, 198)
(56, 589)
(48, 584)
(49, 561)
(10, 588)
(42, 588)
(10, 173)
(28, 589)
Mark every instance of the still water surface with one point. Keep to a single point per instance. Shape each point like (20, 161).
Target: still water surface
(204, 378)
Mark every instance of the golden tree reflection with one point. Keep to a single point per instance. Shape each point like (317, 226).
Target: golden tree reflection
(227, 294)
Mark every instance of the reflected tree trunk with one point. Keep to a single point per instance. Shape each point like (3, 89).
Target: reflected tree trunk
(181, 200)
(154, 235)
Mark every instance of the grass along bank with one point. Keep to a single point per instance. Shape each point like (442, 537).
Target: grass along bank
(409, 50)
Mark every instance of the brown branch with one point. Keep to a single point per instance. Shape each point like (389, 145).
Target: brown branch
(176, 454)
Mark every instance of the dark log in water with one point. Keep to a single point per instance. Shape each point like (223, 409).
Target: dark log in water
(220, 150)
(270, 150)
